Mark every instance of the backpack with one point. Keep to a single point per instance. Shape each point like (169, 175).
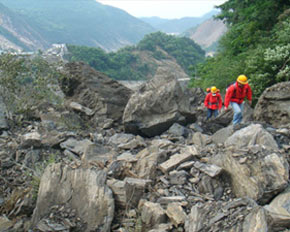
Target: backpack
(233, 83)
(229, 85)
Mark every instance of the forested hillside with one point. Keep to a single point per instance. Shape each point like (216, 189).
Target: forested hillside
(257, 44)
(140, 62)
(86, 23)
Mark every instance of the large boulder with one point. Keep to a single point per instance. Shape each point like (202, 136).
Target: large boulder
(279, 210)
(105, 97)
(243, 214)
(81, 189)
(160, 103)
(254, 134)
(273, 106)
(256, 167)
(255, 172)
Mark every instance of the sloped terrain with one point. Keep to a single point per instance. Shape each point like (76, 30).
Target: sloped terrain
(64, 21)
(207, 33)
(16, 33)
(60, 171)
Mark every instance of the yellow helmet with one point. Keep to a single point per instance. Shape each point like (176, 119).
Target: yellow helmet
(242, 79)
(213, 89)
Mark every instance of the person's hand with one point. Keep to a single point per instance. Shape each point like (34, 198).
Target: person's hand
(250, 102)
(226, 108)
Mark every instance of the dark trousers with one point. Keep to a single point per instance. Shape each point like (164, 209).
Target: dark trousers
(211, 112)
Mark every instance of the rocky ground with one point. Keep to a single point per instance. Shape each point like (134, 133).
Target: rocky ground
(105, 162)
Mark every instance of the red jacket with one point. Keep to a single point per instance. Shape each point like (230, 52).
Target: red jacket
(237, 94)
(213, 102)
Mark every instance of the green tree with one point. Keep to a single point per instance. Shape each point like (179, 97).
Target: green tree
(25, 82)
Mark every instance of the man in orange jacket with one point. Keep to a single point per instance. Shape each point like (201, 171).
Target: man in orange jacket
(235, 96)
(213, 102)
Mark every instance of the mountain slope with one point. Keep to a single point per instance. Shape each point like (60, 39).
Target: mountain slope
(207, 33)
(16, 33)
(81, 22)
(140, 62)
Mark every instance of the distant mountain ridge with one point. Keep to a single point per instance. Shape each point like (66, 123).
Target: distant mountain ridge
(31, 25)
(177, 26)
(84, 22)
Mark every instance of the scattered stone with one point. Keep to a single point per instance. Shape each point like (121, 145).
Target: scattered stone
(174, 161)
(210, 169)
(176, 213)
(152, 214)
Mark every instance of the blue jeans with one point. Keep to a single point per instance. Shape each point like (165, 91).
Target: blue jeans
(211, 112)
(238, 112)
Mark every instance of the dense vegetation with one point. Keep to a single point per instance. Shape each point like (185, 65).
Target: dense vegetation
(184, 50)
(127, 63)
(121, 65)
(25, 82)
(257, 44)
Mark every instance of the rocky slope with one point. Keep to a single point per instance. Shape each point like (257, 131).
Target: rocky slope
(207, 33)
(17, 34)
(189, 175)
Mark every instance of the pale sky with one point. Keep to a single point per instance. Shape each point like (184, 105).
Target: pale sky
(168, 9)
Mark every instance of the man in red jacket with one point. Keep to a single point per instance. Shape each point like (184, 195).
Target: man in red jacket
(235, 96)
(213, 102)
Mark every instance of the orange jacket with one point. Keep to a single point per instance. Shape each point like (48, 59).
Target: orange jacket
(213, 102)
(237, 94)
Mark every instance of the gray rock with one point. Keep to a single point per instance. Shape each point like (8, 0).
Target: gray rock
(265, 174)
(251, 135)
(279, 211)
(135, 189)
(210, 169)
(222, 135)
(256, 221)
(148, 160)
(152, 214)
(76, 146)
(32, 139)
(104, 96)
(200, 139)
(178, 177)
(82, 189)
(176, 213)
(157, 106)
(273, 106)
(178, 130)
